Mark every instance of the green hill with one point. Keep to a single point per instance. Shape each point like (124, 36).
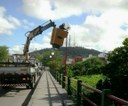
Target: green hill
(72, 51)
(79, 51)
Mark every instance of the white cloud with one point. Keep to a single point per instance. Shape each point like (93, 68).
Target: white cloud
(84, 35)
(49, 9)
(13, 20)
(44, 44)
(104, 31)
(110, 23)
(7, 23)
(27, 24)
(2, 11)
(17, 49)
(57, 9)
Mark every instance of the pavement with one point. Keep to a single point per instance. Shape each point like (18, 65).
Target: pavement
(49, 93)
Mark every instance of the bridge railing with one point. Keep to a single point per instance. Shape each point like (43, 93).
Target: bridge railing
(76, 89)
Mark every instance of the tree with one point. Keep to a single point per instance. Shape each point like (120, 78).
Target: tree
(52, 60)
(44, 58)
(3, 53)
(117, 70)
(118, 61)
(93, 66)
(90, 66)
(77, 68)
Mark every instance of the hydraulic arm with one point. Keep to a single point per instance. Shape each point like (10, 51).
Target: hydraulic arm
(38, 30)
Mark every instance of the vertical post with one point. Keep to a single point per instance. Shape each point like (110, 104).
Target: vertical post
(56, 75)
(68, 86)
(65, 59)
(63, 81)
(104, 100)
(65, 67)
(79, 89)
(59, 78)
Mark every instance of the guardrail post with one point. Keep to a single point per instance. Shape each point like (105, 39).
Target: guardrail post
(104, 100)
(63, 81)
(56, 75)
(79, 89)
(53, 73)
(68, 86)
(59, 78)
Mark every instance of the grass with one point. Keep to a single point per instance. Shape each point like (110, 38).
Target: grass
(91, 79)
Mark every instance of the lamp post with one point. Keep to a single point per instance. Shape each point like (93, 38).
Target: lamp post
(65, 59)
(52, 53)
(52, 57)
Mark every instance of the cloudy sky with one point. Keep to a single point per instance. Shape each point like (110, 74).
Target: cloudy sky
(95, 24)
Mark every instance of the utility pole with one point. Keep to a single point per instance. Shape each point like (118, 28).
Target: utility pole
(74, 43)
(69, 42)
(65, 59)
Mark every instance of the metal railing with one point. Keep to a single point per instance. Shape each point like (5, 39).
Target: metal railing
(76, 89)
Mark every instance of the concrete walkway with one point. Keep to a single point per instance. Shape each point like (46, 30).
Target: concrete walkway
(46, 93)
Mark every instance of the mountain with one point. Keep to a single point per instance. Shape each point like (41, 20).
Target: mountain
(79, 51)
(72, 51)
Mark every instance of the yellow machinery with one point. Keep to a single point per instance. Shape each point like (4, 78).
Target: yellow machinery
(58, 36)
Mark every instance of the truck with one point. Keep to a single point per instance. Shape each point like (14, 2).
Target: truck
(24, 69)
(17, 74)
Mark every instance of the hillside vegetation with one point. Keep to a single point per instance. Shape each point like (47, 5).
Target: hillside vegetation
(72, 51)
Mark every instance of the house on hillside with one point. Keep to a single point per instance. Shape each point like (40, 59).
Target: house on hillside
(74, 60)
(103, 57)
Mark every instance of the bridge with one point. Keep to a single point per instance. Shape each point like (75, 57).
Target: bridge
(55, 89)
(49, 93)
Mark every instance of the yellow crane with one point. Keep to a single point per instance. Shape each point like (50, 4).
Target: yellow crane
(58, 35)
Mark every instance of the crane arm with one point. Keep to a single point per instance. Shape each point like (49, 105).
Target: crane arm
(38, 30)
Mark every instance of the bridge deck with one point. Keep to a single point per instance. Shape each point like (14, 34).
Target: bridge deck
(48, 92)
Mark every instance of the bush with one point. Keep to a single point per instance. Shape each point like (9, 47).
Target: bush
(93, 66)
(69, 72)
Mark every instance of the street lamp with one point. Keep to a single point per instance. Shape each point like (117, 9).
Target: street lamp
(52, 59)
(50, 56)
(65, 59)
(52, 53)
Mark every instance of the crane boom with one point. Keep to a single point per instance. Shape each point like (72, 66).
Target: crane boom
(38, 30)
